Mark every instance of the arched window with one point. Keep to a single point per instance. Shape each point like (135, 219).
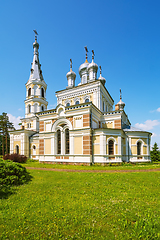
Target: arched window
(139, 145)
(67, 140)
(68, 104)
(29, 92)
(17, 149)
(111, 148)
(42, 92)
(34, 150)
(58, 142)
(77, 102)
(42, 108)
(87, 100)
(29, 108)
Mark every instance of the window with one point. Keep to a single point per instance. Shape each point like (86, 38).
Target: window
(87, 100)
(42, 108)
(103, 106)
(106, 108)
(67, 140)
(29, 108)
(58, 142)
(42, 92)
(111, 148)
(139, 144)
(29, 92)
(34, 150)
(68, 104)
(77, 102)
(17, 149)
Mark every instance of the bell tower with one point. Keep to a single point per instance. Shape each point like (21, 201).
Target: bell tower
(36, 86)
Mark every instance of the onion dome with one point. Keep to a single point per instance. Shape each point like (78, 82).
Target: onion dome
(92, 69)
(83, 71)
(71, 76)
(120, 104)
(102, 79)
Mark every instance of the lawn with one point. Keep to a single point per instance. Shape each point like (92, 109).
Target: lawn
(78, 205)
(123, 166)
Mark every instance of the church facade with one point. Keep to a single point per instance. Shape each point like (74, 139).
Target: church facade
(84, 128)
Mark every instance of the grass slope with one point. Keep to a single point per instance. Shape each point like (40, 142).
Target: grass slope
(71, 205)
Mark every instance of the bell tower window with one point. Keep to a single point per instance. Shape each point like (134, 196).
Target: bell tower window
(29, 92)
(29, 108)
(42, 92)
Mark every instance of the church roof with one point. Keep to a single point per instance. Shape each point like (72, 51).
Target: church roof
(132, 129)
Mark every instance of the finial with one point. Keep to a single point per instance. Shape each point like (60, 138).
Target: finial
(35, 35)
(100, 69)
(93, 55)
(86, 52)
(70, 64)
(120, 94)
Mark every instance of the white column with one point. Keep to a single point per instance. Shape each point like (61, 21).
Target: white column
(53, 144)
(62, 142)
(127, 150)
(119, 146)
(129, 145)
(11, 143)
(22, 143)
(71, 143)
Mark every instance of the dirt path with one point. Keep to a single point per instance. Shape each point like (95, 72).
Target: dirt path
(94, 171)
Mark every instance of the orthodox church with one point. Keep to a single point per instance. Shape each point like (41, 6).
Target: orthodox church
(84, 128)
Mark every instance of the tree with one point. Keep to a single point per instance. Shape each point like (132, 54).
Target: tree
(5, 127)
(155, 153)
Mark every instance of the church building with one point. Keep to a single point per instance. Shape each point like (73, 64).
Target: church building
(84, 128)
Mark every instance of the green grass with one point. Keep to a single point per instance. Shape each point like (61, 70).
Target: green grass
(71, 205)
(122, 166)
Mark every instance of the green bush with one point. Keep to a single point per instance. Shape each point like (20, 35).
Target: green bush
(12, 174)
(15, 158)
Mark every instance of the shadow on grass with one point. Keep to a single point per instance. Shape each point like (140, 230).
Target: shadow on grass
(7, 190)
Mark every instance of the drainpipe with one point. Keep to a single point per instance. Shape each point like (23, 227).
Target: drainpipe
(91, 157)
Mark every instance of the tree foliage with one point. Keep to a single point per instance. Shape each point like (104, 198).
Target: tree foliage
(5, 127)
(155, 153)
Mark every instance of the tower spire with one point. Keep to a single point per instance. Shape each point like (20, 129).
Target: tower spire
(86, 53)
(120, 94)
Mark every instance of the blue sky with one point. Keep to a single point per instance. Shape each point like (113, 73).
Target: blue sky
(124, 35)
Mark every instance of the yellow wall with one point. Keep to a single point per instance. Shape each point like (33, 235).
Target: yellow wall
(144, 140)
(107, 125)
(134, 150)
(19, 144)
(96, 139)
(96, 149)
(144, 149)
(77, 145)
(48, 146)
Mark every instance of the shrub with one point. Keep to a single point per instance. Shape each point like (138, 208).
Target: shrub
(12, 174)
(15, 158)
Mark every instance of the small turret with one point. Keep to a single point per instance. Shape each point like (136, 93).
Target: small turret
(120, 105)
(71, 76)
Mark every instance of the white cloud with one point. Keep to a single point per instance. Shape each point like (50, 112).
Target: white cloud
(14, 120)
(154, 135)
(147, 125)
(158, 109)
